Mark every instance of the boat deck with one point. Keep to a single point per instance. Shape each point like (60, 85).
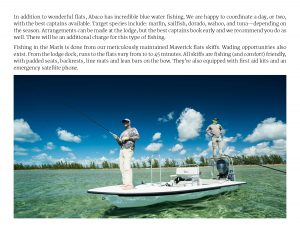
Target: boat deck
(156, 189)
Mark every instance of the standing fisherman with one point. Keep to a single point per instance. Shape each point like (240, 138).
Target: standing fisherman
(127, 143)
(215, 131)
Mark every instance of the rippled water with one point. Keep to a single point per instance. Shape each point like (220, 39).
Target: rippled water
(62, 194)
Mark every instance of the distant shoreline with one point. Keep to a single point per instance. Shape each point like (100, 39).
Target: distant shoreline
(105, 169)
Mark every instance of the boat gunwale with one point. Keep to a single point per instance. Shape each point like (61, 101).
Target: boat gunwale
(130, 194)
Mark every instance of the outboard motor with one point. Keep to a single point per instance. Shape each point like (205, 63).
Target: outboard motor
(223, 168)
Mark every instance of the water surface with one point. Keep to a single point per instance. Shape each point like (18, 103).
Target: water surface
(62, 194)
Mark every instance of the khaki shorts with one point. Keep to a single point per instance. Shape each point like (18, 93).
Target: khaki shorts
(216, 142)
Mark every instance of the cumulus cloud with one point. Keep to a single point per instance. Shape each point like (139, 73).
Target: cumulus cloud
(232, 139)
(20, 151)
(189, 124)
(259, 149)
(42, 158)
(36, 149)
(45, 158)
(182, 152)
(68, 136)
(71, 156)
(98, 161)
(166, 118)
(23, 132)
(204, 152)
(49, 146)
(156, 136)
(154, 147)
(269, 129)
(65, 149)
(277, 147)
(113, 151)
(230, 150)
(227, 149)
(176, 147)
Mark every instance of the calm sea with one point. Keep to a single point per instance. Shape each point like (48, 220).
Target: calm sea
(62, 194)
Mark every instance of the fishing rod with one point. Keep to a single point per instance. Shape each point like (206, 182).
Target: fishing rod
(88, 117)
(275, 169)
(261, 165)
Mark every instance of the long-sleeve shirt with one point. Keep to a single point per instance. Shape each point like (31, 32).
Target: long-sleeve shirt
(215, 130)
(133, 136)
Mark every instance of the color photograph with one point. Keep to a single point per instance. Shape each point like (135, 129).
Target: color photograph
(150, 146)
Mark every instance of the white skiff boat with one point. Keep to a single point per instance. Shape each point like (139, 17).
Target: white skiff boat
(185, 185)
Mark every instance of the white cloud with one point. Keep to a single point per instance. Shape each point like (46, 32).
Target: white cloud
(156, 136)
(182, 152)
(232, 139)
(268, 129)
(36, 149)
(204, 152)
(43, 158)
(230, 150)
(176, 147)
(154, 147)
(259, 149)
(20, 151)
(71, 156)
(113, 151)
(198, 149)
(49, 146)
(23, 132)
(103, 158)
(277, 147)
(166, 118)
(18, 148)
(68, 136)
(227, 150)
(98, 161)
(65, 149)
(189, 124)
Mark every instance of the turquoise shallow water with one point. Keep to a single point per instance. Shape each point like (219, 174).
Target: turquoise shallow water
(62, 194)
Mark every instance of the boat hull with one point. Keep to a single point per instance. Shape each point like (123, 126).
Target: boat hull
(144, 198)
(139, 201)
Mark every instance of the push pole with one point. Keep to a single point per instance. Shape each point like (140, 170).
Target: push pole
(159, 170)
(151, 168)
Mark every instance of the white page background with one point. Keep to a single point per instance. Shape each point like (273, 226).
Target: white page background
(291, 69)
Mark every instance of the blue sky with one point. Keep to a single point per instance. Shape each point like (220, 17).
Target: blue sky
(252, 110)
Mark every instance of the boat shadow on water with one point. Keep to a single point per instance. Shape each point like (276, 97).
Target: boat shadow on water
(154, 211)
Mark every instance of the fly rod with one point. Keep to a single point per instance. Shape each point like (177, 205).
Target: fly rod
(275, 169)
(87, 117)
(264, 166)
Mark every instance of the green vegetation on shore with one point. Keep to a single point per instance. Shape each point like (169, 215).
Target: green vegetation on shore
(238, 160)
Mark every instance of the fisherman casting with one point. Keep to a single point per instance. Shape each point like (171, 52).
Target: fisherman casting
(215, 132)
(127, 143)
